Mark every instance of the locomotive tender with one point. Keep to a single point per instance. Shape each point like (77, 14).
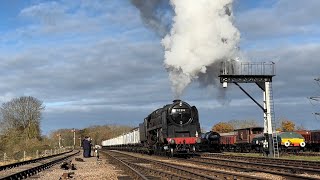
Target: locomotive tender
(171, 130)
(209, 142)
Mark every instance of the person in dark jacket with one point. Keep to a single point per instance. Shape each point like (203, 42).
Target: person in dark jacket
(86, 144)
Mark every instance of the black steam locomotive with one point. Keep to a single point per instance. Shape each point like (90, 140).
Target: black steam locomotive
(172, 129)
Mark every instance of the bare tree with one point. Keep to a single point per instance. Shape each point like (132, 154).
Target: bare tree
(23, 115)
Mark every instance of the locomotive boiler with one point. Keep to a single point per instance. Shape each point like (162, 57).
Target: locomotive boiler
(172, 129)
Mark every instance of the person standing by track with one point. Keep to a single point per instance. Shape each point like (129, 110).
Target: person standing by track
(86, 144)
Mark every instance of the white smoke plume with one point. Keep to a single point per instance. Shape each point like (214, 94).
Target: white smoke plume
(202, 35)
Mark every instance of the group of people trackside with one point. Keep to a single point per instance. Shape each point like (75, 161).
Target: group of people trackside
(86, 144)
(87, 148)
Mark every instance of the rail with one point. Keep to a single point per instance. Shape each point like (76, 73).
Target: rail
(178, 171)
(27, 170)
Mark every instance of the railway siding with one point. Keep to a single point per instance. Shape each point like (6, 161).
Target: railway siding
(284, 171)
(171, 169)
(25, 170)
(17, 164)
(290, 162)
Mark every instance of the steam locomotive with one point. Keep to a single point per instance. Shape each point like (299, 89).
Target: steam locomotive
(170, 130)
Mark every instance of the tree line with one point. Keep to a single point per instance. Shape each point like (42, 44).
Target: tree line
(20, 131)
(97, 133)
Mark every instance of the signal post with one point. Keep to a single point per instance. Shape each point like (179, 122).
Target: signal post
(261, 74)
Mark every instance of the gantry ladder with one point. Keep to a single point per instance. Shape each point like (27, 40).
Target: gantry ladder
(273, 123)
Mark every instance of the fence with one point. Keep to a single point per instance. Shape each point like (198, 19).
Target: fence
(247, 68)
(8, 158)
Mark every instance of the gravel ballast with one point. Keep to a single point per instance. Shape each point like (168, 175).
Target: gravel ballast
(91, 168)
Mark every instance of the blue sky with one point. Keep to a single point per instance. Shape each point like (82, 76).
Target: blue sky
(95, 62)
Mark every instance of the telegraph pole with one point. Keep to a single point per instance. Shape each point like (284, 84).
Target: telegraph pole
(59, 140)
(74, 138)
(316, 98)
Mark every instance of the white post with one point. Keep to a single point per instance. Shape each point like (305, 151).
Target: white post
(74, 138)
(265, 125)
(269, 120)
(24, 155)
(59, 140)
(268, 108)
(37, 153)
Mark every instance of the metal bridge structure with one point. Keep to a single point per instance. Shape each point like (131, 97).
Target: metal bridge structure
(260, 73)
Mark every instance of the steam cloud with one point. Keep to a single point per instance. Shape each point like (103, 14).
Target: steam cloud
(153, 14)
(202, 35)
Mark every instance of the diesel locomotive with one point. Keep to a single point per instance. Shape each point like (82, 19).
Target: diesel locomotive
(170, 130)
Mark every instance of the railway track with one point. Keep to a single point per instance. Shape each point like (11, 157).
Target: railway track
(17, 164)
(26, 169)
(272, 166)
(274, 161)
(304, 153)
(147, 168)
(214, 168)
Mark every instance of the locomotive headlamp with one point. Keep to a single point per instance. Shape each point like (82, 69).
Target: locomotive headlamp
(198, 140)
(302, 144)
(287, 144)
(172, 141)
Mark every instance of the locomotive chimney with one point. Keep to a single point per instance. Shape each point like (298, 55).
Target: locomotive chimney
(176, 100)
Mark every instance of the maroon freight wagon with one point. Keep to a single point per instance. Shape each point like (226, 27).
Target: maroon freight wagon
(312, 139)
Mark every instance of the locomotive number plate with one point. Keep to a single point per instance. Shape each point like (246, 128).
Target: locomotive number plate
(180, 110)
